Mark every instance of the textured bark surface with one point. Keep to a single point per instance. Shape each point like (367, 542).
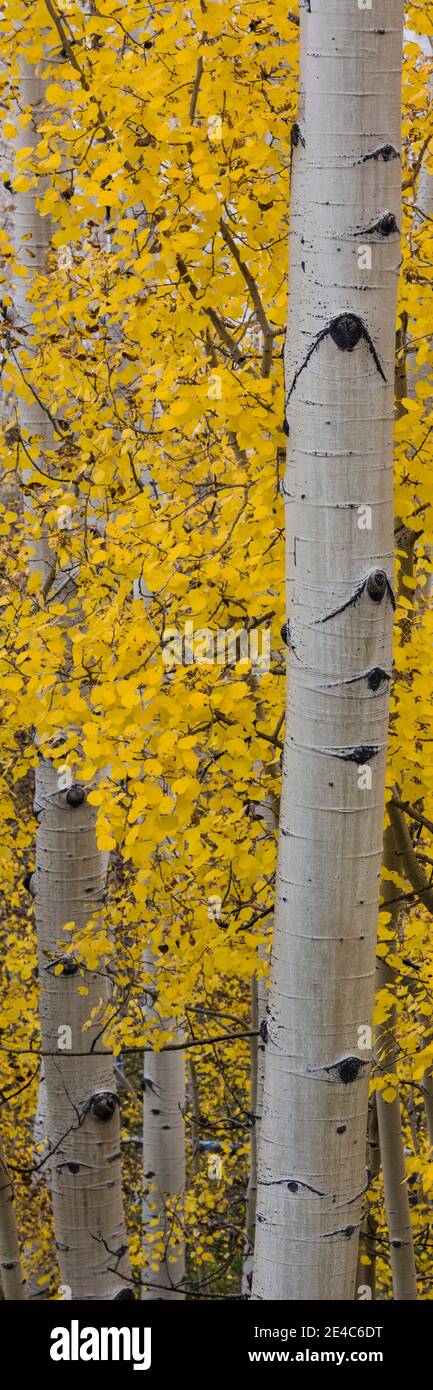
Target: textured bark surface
(164, 1102)
(402, 1254)
(339, 411)
(84, 1127)
(10, 1263)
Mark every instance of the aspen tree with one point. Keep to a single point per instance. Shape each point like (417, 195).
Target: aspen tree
(68, 886)
(10, 1262)
(339, 415)
(402, 1257)
(163, 1159)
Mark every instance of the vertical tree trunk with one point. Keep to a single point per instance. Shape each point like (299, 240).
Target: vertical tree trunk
(164, 1102)
(402, 1256)
(10, 1262)
(69, 882)
(339, 411)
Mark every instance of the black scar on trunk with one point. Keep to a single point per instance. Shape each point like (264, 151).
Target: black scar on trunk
(346, 331)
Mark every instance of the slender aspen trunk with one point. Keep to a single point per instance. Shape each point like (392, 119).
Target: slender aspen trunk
(366, 1274)
(402, 1256)
(10, 1262)
(257, 1056)
(164, 1102)
(68, 885)
(339, 411)
(251, 1202)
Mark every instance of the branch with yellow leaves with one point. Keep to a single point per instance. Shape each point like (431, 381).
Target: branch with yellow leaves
(268, 332)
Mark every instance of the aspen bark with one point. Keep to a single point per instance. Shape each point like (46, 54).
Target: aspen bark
(68, 885)
(402, 1256)
(346, 206)
(10, 1261)
(164, 1102)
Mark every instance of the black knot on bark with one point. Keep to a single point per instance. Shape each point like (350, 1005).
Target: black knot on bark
(387, 224)
(285, 634)
(75, 795)
(69, 965)
(387, 152)
(74, 1167)
(346, 331)
(122, 1294)
(341, 1129)
(349, 1231)
(264, 1033)
(292, 1186)
(104, 1104)
(377, 585)
(28, 884)
(360, 755)
(375, 677)
(349, 1069)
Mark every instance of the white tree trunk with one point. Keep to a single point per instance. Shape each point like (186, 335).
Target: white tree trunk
(339, 409)
(10, 1262)
(402, 1256)
(164, 1102)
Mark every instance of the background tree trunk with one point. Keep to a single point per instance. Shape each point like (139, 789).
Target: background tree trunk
(10, 1262)
(69, 883)
(164, 1102)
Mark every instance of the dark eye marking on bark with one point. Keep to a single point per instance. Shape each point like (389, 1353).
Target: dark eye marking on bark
(104, 1104)
(69, 965)
(264, 1031)
(374, 679)
(361, 755)
(287, 638)
(385, 152)
(123, 1293)
(346, 1231)
(292, 1184)
(75, 795)
(346, 331)
(377, 586)
(376, 676)
(341, 1129)
(386, 226)
(349, 1069)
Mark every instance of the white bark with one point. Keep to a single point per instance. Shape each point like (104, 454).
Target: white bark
(164, 1102)
(339, 403)
(402, 1256)
(10, 1262)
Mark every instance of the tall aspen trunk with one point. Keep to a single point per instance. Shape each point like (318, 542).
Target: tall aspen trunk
(257, 1052)
(164, 1102)
(401, 1247)
(346, 207)
(10, 1262)
(366, 1274)
(68, 885)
